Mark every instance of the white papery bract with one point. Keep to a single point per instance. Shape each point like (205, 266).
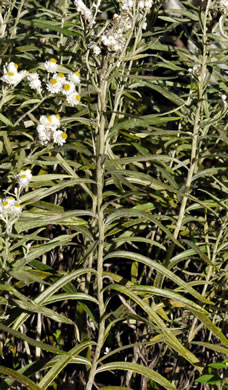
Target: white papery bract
(68, 88)
(60, 77)
(85, 11)
(73, 99)
(95, 48)
(24, 178)
(44, 134)
(127, 5)
(74, 77)
(34, 81)
(59, 137)
(48, 130)
(17, 209)
(9, 206)
(54, 85)
(11, 75)
(51, 65)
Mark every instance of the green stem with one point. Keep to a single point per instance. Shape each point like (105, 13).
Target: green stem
(195, 144)
(100, 147)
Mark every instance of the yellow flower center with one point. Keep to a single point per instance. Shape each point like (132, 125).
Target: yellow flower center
(77, 74)
(58, 116)
(22, 170)
(49, 119)
(61, 75)
(53, 60)
(5, 203)
(64, 135)
(11, 73)
(66, 87)
(17, 205)
(16, 66)
(53, 81)
(11, 198)
(78, 97)
(23, 176)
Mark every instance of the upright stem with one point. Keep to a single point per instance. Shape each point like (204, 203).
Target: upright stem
(100, 147)
(195, 143)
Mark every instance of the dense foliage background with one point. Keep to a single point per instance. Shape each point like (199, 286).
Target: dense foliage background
(113, 195)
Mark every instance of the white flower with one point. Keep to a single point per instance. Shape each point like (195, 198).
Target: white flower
(16, 209)
(11, 75)
(24, 177)
(10, 206)
(6, 205)
(68, 88)
(52, 121)
(224, 3)
(34, 81)
(51, 65)
(148, 4)
(54, 85)
(60, 77)
(44, 134)
(59, 137)
(74, 77)
(127, 5)
(81, 7)
(11, 67)
(96, 50)
(73, 99)
(47, 128)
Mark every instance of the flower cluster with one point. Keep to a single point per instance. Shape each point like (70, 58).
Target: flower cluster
(59, 83)
(84, 11)
(9, 207)
(145, 4)
(113, 38)
(24, 178)
(48, 130)
(11, 75)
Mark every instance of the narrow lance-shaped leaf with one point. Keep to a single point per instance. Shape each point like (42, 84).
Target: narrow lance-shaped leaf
(61, 363)
(139, 369)
(48, 292)
(22, 379)
(159, 268)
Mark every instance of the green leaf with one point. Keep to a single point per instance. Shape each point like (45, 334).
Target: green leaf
(5, 120)
(139, 369)
(169, 337)
(51, 26)
(208, 379)
(24, 380)
(65, 296)
(61, 363)
(159, 268)
(211, 326)
(217, 366)
(48, 292)
(136, 213)
(169, 294)
(35, 253)
(35, 308)
(31, 341)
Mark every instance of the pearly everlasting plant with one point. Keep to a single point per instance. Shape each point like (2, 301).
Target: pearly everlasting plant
(113, 206)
